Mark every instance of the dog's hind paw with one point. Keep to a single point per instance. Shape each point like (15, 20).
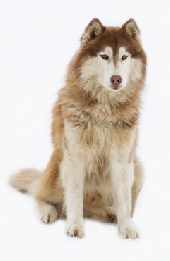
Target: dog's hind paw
(48, 213)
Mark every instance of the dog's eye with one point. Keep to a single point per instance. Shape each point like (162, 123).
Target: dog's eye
(104, 56)
(124, 57)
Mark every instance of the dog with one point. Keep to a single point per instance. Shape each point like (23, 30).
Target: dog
(93, 170)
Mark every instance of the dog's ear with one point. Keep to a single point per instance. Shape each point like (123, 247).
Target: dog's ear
(131, 28)
(92, 31)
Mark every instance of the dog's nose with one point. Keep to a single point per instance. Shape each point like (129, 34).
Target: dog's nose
(116, 80)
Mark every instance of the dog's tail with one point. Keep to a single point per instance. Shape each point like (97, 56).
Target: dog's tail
(24, 179)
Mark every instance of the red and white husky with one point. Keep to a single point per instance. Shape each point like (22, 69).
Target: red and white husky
(93, 170)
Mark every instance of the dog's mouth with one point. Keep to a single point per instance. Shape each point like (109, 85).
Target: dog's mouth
(116, 88)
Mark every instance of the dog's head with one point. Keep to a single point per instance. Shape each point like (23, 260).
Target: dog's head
(111, 58)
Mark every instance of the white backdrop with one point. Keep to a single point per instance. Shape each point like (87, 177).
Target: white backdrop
(37, 39)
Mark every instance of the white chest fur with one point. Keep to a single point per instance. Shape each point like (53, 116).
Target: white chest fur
(98, 144)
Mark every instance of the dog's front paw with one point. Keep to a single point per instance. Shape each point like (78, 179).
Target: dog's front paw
(75, 230)
(128, 231)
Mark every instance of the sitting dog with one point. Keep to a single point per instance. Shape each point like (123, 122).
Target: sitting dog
(93, 170)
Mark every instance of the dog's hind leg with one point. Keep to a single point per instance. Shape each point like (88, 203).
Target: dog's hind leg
(48, 212)
(137, 184)
(105, 214)
(48, 191)
(95, 207)
(44, 187)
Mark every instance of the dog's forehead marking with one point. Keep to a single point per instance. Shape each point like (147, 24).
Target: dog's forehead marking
(107, 50)
(123, 51)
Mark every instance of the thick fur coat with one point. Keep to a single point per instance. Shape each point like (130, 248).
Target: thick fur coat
(93, 170)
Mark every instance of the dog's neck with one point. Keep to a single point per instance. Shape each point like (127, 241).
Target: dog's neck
(99, 109)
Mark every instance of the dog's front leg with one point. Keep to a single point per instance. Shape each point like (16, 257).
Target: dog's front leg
(122, 175)
(73, 183)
